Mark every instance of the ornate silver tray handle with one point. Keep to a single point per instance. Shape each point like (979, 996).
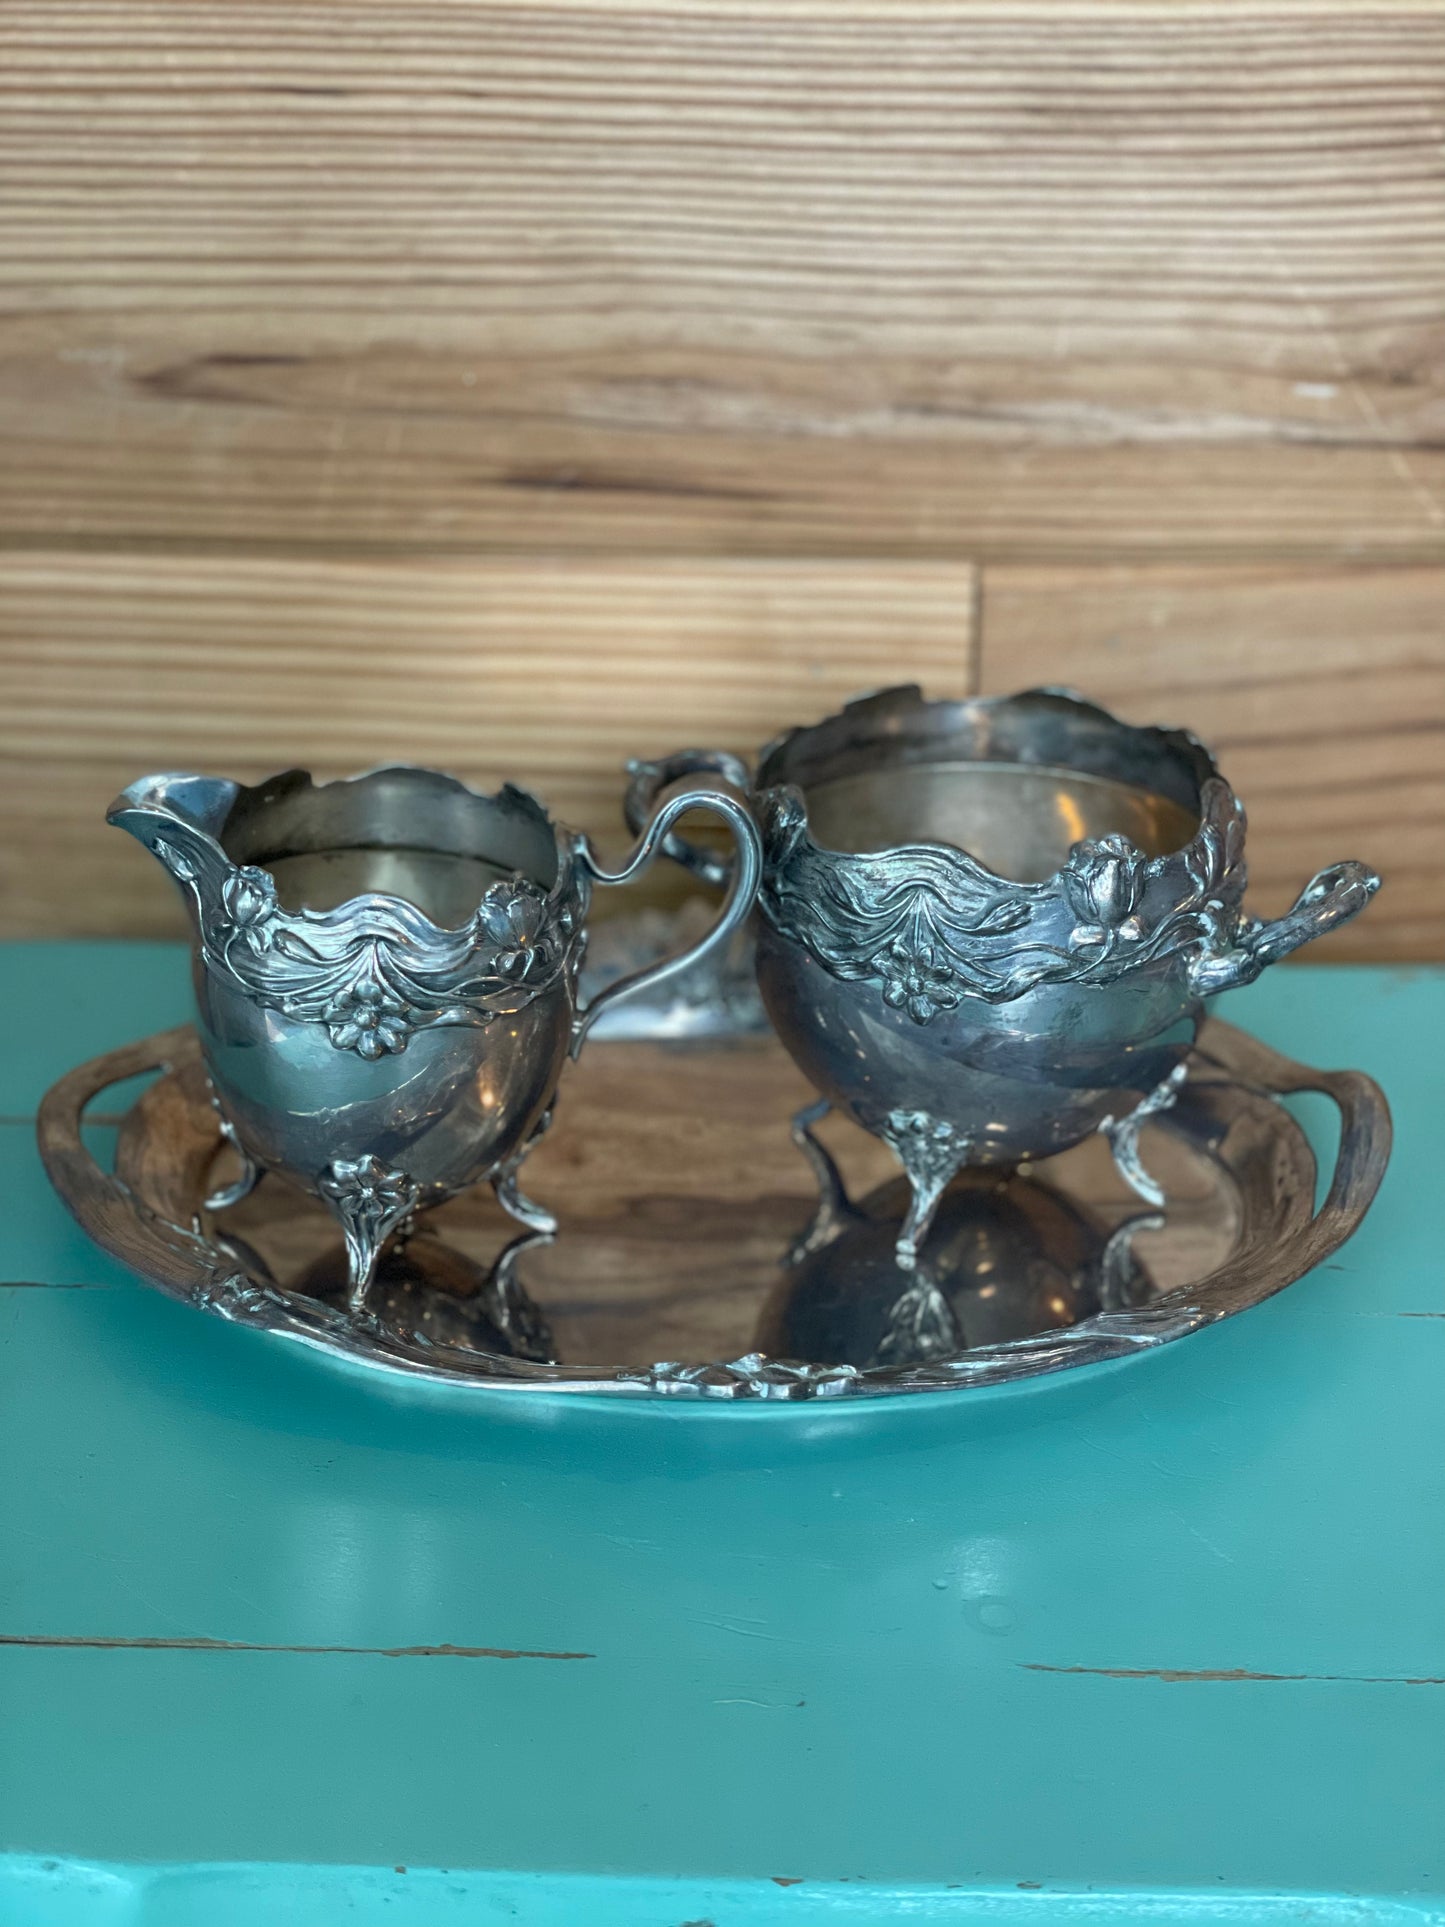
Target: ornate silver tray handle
(386, 975)
(987, 928)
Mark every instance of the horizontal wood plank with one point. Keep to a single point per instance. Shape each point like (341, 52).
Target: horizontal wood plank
(1323, 694)
(548, 672)
(961, 277)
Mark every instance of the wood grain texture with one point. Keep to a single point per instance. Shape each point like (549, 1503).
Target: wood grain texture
(355, 360)
(1322, 693)
(964, 278)
(549, 672)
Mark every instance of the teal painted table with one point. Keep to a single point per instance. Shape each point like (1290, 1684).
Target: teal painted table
(1162, 1641)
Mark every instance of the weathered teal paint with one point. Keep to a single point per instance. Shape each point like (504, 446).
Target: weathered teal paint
(1157, 1642)
(299, 1896)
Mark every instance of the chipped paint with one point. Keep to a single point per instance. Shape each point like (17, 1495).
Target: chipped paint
(1174, 1676)
(98, 1644)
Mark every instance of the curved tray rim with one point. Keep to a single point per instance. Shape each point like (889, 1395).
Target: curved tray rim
(186, 1266)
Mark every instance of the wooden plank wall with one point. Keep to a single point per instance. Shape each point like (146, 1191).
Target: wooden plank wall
(515, 386)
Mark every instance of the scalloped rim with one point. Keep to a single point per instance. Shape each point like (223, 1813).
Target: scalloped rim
(1218, 801)
(147, 796)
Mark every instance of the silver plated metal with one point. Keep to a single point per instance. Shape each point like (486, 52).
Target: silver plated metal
(1123, 1134)
(1226, 1120)
(386, 975)
(1007, 1257)
(714, 999)
(987, 929)
(246, 1179)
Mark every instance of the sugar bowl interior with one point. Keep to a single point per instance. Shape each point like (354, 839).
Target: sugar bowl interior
(1015, 785)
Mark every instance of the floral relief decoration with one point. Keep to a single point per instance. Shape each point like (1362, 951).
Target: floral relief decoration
(375, 970)
(932, 927)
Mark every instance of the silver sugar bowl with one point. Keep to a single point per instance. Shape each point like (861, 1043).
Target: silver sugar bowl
(986, 928)
(386, 975)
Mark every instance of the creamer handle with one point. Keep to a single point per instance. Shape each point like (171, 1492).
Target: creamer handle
(649, 779)
(741, 877)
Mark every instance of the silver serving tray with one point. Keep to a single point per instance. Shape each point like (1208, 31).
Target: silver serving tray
(679, 1190)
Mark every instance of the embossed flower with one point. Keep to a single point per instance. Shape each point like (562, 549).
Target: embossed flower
(367, 1183)
(248, 897)
(917, 980)
(364, 1018)
(512, 919)
(1104, 882)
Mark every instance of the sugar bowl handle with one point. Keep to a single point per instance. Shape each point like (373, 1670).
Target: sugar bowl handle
(1327, 900)
(647, 781)
(741, 877)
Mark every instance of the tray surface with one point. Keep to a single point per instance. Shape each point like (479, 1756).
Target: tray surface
(678, 1190)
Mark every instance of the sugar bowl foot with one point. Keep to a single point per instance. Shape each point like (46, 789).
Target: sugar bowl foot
(1006, 1258)
(1123, 1134)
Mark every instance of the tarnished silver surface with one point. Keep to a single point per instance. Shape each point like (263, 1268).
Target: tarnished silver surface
(1123, 1134)
(934, 1330)
(1006, 1258)
(386, 974)
(714, 998)
(987, 927)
